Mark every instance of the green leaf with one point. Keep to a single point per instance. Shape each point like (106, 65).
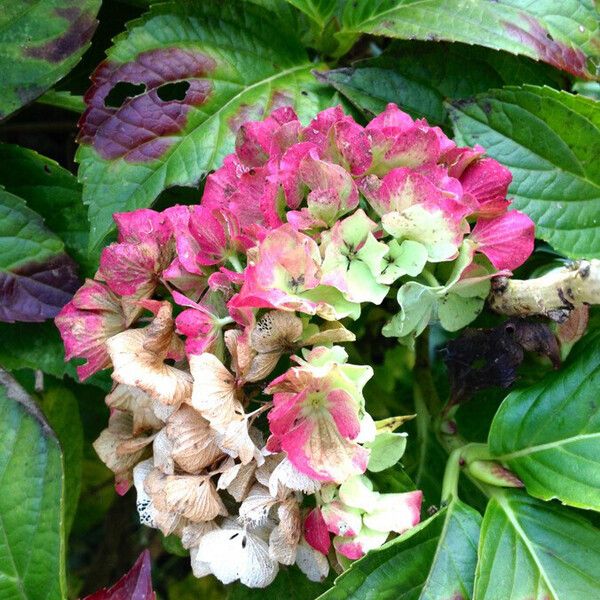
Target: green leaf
(549, 433)
(419, 76)
(386, 450)
(40, 42)
(52, 192)
(62, 412)
(37, 277)
(31, 503)
(434, 560)
(239, 62)
(529, 549)
(34, 346)
(550, 141)
(562, 33)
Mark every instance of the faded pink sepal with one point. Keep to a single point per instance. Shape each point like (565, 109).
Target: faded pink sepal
(398, 141)
(351, 549)
(246, 192)
(353, 144)
(318, 129)
(403, 187)
(198, 323)
(86, 322)
(287, 263)
(257, 141)
(143, 225)
(128, 267)
(341, 519)
(457, 159)
(288, 173)
(315, 531)
(192, 284)
(485, 184)
(506, 240)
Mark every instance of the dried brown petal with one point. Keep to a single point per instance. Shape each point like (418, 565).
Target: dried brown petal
(138, 403)
(138, 357)
(192, 439)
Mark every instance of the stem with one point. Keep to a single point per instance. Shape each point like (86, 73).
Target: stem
(422, 375)
(225, 321)
(235, 263)
(554, 295)
(451, 475)
(430, 278)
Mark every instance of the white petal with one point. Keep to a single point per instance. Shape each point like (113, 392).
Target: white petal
(311, 562)
(285, 474)
(255, 508)
(238, 554)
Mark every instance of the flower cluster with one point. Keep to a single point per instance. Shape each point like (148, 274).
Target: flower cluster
(235, 412)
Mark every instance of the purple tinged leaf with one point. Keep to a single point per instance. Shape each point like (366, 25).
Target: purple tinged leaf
(145, 126)
(37, 291)
(136, 584)
(37, 277)
(80, 28)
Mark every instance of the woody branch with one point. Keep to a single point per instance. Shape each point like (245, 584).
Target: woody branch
(554, 295)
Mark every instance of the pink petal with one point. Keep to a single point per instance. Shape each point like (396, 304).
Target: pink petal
(143, 225)
(506, 240)
(344, 413)
(315, 531)
(486, 182)
(255, 138)
(127, 267)
(391, 117)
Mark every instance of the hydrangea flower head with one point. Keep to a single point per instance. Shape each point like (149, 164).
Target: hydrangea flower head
(235, 411)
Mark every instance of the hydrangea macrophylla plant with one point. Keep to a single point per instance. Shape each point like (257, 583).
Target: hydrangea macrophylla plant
(236, 413)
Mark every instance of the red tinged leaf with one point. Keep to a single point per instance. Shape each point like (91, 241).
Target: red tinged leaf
(145, 126)
(532, 34)
(136, 584)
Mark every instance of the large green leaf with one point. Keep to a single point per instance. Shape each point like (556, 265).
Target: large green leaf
(550, 140)
(37, 277)
(52, 192)
(62, 412)
(560, 32)
(40, 42)
(530, 550)
(549, 434)
(432, 561)
(31, 503)
(239, 62)
(420, 76)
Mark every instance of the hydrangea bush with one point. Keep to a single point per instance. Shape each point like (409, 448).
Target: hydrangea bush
(273, 320)
(236, 412)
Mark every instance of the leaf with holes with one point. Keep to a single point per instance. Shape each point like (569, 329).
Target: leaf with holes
(53, 193)
(562, 33)
(419, 76)
(434, 560)
(550, 141)
(40, 42)
(235, 61)
(549, 434)
(31, 503)
(532, 550)
(37, 277)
